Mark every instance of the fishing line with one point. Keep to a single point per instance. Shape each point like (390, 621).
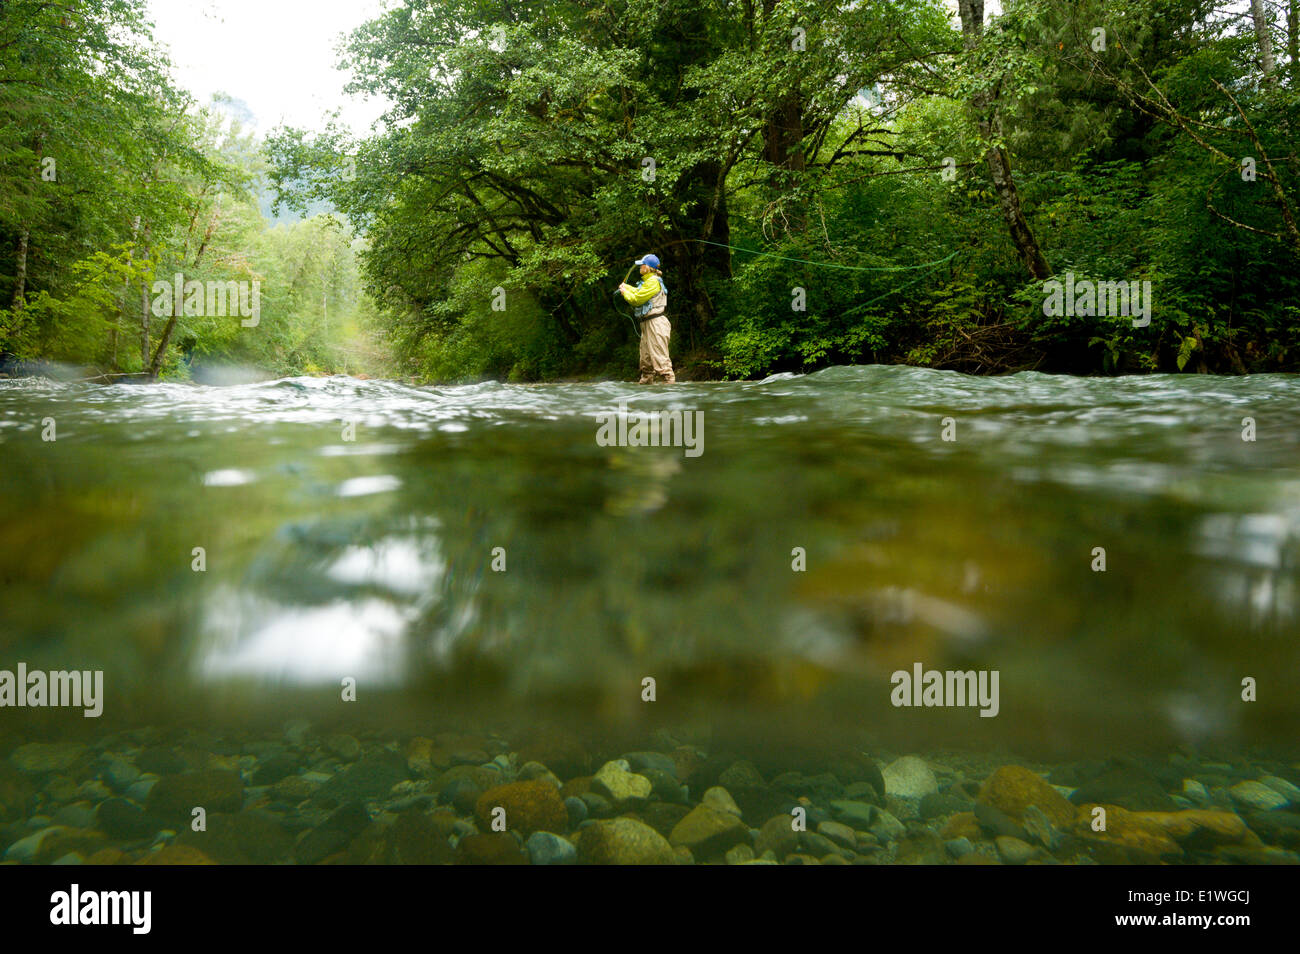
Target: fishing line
(804, 261)
(628, 274)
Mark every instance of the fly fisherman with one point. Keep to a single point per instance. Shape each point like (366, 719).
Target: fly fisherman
(650, 298)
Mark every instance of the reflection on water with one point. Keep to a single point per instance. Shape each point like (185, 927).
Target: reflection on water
(473, 549)
(372, 557)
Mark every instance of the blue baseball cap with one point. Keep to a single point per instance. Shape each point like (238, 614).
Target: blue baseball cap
(651, 260)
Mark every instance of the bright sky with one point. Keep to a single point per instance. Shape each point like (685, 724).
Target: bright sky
(277, 56)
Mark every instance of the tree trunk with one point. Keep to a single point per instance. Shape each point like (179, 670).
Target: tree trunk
(144, 325)
(783, 133)
(1293, 36)
(126, 289)
(161, 351)
(20, 268)
(689, 260)
(996, 158)
(972, 21)
(1031, 255)
(1263, 36)
(178, 302)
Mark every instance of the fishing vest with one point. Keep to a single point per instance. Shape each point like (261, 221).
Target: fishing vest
(655, 306)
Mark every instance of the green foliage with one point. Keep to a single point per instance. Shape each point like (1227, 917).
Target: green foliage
(533, 150)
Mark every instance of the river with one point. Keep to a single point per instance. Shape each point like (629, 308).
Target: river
(1123, 553)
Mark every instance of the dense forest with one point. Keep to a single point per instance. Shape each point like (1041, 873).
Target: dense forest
(1100, 186)
(114, 184)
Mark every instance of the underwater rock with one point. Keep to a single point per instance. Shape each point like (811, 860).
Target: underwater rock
(719, 798)
(761, 802)
(546, 848)
(642, 761)
(529, 807)
(15, 790)
(1127, 785)
(536, 771)
(372, 777)
(1012, 788)
(293, 789)
(77, 815)
(1197, 828)
(994, 822)
(118, 772)
(958, 847)
(815, 843)
(839, 833)
(274, 769)
(1277, 827)
(577, 810)
(420, 755)
(1141, 836)
(777, 836)
(664, 786)
(1196, 793)
(93, 790)
(1256, 796)
(886, 827)
(177, 855)
(739, 855)
(615, 781)
(107, 856)
(60, 788)
(1287, 789)
(333, 834)
(25, 850)
(161, 760)
(119, 818)
(598, 806)
(664, 816)
(624, 841)
(741, 774)
(1040, 828)
(37, 758)
(962, 825)
(910, 778)
(562, 753)
(858, 815)
(139, 791)
(1013, 851)
(215, 790)
(707, 831)
(246, 838)
(418, 838)
(296, 731)
(347, 748)
(938, 804)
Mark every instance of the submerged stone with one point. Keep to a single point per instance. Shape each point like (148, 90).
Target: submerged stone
(707, 831)
(1256, 796)
(615, 781)
(624, 841)
(528, 806)
(1012, 788)
(174, 797)
(910, 777)
(546, 848)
